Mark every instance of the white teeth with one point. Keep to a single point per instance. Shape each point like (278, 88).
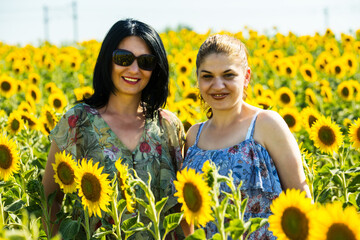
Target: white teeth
(218, 95)
(130, 79)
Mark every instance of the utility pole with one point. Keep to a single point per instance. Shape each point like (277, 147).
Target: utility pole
(46, 23)
(75, 18)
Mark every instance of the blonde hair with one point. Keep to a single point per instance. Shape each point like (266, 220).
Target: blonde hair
(222, 44)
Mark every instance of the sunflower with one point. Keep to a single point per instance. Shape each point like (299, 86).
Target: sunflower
(337, 68)
(57, 101)
(288, 68)
(345, 91)
(194, 194)
(334, 222)
(9, 157)
(48, 114)
(264, 102)
(308, 72)
(50, 87)
(356, 86)
(326, 135)
(183, 67)
(310, 97)
(183, 82)
(7, 86)
(14, 122)
(83, 92)
(25, 107)
(33, 92)
(285, 97)
(65, 168)
(34, 78)
(309, 116)
(94, 187)
(258, 89)
(354, 132)
(29, 119)
(351, 62)
(292, 118)
(326, 93)
(293, 215)
(123, 178)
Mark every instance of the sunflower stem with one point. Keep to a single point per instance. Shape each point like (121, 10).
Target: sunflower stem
(87, 226)
(117, 217)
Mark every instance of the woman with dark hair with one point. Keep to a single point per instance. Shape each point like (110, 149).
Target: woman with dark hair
(123, 118)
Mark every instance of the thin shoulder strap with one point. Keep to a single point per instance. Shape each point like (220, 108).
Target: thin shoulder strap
(250, 131)
(198, 133)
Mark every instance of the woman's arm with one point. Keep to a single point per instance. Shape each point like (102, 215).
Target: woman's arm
(50, 186)
(277, 138)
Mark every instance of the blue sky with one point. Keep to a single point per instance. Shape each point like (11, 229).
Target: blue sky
(22, 21)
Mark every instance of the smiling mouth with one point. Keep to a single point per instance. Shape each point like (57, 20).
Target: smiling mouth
(219, 96)
(131, 80)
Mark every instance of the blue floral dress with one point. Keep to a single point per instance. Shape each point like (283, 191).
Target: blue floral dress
(250, 163)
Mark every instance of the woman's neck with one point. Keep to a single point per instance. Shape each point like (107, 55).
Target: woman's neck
(225, 118)
(123, 105)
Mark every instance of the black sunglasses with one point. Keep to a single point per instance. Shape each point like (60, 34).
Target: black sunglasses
(125, 58)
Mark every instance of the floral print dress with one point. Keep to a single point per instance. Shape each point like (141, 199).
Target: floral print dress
(250, 163)
(85, 134)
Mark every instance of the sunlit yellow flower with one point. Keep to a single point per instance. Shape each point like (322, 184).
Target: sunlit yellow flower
(183, 82)
(293, 216)
(354, 133)
(351, 62)
(326, 135)
(18, 67)
(345, 91)
(337, 68)
(34, 78)
(183, 67)
(57, 101)
(123, 178)
(285, 97)
(292, 118)
(194, 194)
(309, 116)
(258, 89)
(33, 92)
(83, 92)
(264, 102)
(326, 93)
(14, 122)
(64, 169)
(29, 119)
(51, 87)
(310, 97)
(356, 86)
(333, 223)
(288, 68)
(49, 116)
(25, 107)
(94, 187)
(7, 86)
(308, 72)
(9, 157)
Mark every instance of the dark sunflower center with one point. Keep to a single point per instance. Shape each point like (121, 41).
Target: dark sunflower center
(308, 72)
(285, 98)
(5, 86)
(358, 134)
(34, 80)
(33, 95)
(345, 91)
(288, 70)
(57, 103)
(311, 120)
(295, 224)
(87, 95)
(15, 125)
(91, 187)
(28, 120)
(5, 157)
(326, 135)
(264, 105)
(183, 69)
(290, 120)
(339, 231)
(337, 69)
(350, 63)
(192, 197)
(73, 64)
(49, 118)
(192, 96)
(65, 173)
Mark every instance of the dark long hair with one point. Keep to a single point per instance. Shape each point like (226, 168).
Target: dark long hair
(154, 95)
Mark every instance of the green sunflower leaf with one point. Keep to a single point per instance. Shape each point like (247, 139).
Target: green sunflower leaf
(69, 228)
(160, 205)
(199, 234)
(236, 228)
(15, 206)
(171, 221)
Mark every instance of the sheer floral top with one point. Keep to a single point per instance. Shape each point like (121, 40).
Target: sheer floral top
(250, 163)
(85, 134)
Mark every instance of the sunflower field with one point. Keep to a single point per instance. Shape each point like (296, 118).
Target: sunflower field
(313, 82)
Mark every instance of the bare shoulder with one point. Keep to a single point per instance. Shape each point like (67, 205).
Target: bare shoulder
(269, 120)
(191, 134)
